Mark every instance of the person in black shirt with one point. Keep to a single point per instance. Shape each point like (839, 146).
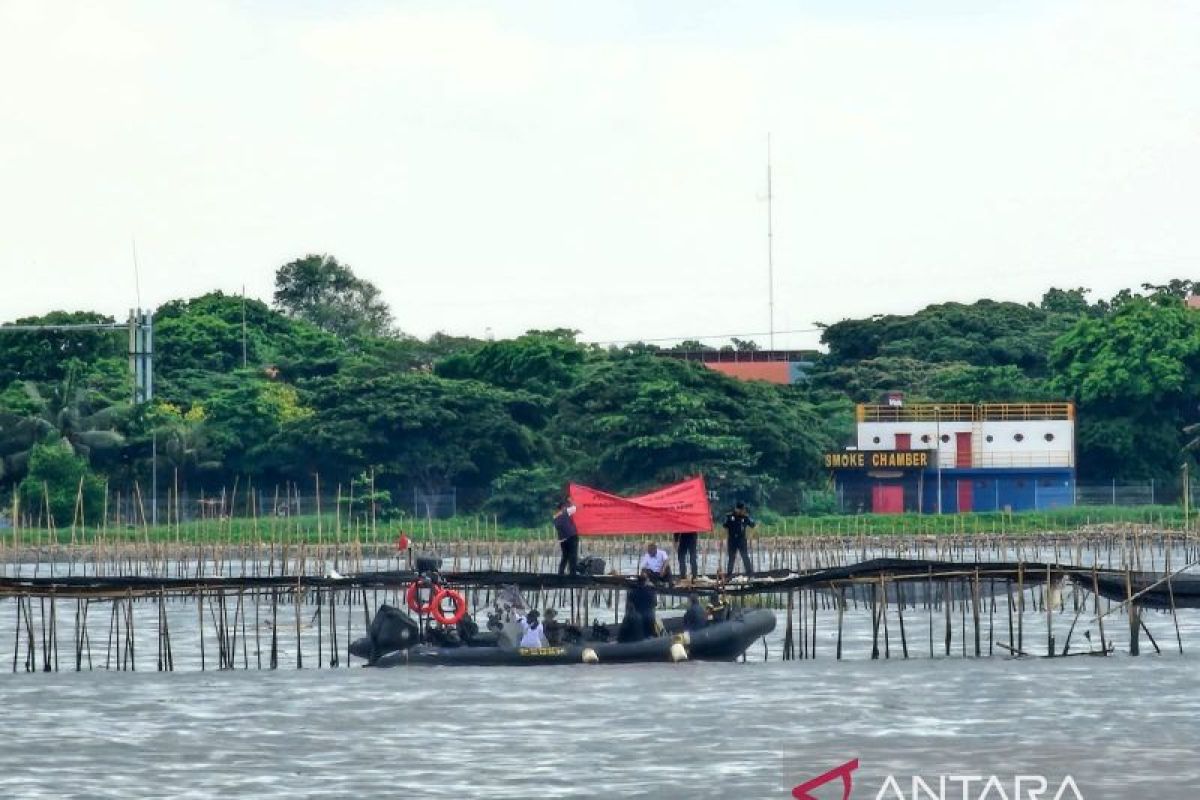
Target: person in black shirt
(685, 545)
(695, 617)
(568, 538)
(736, 523)
(643, 600)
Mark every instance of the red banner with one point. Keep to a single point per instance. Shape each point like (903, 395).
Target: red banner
(679, 508)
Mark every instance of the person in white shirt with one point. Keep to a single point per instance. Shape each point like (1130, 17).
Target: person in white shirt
(532, 634)
(655, 564)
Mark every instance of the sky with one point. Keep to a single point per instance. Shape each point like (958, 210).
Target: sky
(500, 166)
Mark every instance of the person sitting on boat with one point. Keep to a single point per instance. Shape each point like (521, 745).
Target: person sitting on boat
(631, 629)
(644, 600)
(694, 617)
(655, 564)
(552, 628)
(532, 633)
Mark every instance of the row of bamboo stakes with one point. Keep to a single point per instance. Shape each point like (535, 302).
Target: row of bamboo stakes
(276, 541)
(224, 614)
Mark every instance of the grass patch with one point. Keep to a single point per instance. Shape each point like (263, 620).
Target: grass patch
(328, 529)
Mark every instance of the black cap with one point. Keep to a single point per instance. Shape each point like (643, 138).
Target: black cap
(740, 504)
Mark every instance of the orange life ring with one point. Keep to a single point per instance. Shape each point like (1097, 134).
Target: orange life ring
(460, 607)
(414, 601)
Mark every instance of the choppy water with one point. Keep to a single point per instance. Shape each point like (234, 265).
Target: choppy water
(1122, 727)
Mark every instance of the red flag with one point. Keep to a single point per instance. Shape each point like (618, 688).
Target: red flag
(679, 508)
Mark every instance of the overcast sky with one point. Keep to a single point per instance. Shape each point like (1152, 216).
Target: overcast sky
(599, 166)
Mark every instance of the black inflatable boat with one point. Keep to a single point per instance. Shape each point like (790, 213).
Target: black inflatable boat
(395, 640)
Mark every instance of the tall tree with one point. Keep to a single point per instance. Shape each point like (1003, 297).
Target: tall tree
(415, 429)
(1135, 374)
(636, 420)
(48, 355)
(67, 411)
(318, 289)
(538, 362)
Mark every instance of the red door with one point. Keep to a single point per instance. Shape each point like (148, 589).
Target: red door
(965, 497)
(963, 449)
(904, 441)
(887, 498)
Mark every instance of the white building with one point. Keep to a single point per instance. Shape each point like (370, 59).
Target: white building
(992, 456)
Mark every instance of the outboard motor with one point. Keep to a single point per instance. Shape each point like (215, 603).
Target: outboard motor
(391, 630)
(429, 564)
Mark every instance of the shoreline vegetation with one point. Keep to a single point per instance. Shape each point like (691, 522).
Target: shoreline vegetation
(322, 383)
(330, 529)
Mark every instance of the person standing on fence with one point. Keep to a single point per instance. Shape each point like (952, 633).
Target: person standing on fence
(568, 538)
(686, 545)
(736, 524)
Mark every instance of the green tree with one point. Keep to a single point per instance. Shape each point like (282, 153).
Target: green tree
(47, 356)
(687, 346)
(744, 345)
(865, 381)
(66, 411)
(537, 362)
(1176, 289)
(983, 334)
(526, 496)
(1142, 354)
(1067, 301)
(1135, 374)
(184, 441)
(246, 424)
(200, 341)
(634, 421)
(963, 383)
(415, 429)
(59, 482)
(318, 289)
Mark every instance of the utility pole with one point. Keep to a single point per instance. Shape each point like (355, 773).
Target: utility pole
(141, 364)
(770, 253)
(141, 354)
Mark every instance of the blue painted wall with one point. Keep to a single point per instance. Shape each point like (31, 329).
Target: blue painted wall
(1002, 489)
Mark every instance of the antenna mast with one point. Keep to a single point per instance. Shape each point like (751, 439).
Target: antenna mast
(770, 254)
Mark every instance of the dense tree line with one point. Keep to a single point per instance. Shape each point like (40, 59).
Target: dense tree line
(1130, 363)
(324, 383)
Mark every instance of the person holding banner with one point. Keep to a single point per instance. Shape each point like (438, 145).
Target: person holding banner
(736, 524)
(568, 538)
